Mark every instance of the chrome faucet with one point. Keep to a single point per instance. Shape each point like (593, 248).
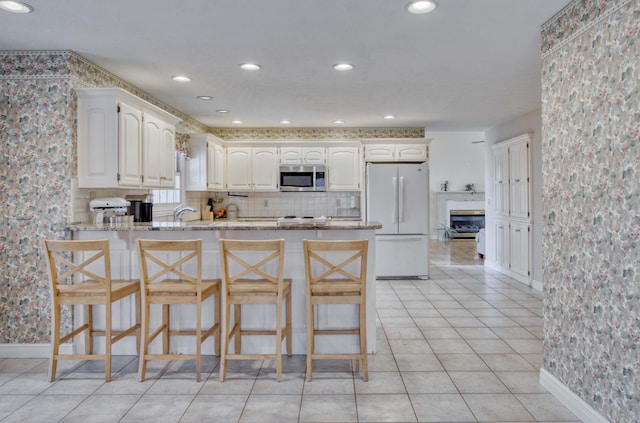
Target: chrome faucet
(179, 211)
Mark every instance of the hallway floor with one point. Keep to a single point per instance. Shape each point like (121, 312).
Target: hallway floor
(463, 346)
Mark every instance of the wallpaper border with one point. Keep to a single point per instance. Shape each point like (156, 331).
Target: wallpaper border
(568, 23)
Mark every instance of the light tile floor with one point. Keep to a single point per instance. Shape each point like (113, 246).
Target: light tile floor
(463, 346)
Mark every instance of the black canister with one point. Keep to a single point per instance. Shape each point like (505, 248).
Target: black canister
(142, 212)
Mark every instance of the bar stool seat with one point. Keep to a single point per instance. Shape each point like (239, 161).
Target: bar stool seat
(86, 282)
(253, 274)
(336, 273)
(171, 283)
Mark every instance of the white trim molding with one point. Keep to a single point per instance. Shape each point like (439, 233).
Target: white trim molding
(31, 350)
(569, 399)
(537, 285)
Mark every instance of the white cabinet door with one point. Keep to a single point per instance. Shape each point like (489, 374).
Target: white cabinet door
(239, 168)
(379, 153)
(411, 152)
(219, 170)
(129, 146)
(196, 167)
(302, 155)
(344, 168)
(502, 243)
(290, 155)
(519, 247)
(205, 169)
(519, 180)
(313, 155)
(151, 151)
(168, 157)
(211, 165)
(265, 169)
(501, 181)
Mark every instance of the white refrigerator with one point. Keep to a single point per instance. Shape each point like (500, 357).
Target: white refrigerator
(398, 197)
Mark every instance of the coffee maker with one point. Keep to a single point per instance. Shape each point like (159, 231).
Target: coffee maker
(142, 211)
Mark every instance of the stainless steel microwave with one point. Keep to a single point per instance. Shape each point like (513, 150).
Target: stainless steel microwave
(303, 178)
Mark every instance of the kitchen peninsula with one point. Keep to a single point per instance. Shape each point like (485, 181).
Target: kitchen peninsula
(124, 265)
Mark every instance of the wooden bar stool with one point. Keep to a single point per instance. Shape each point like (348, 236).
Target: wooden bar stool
(253, 274)
(86, 283)
(336, 273)
(169, 282)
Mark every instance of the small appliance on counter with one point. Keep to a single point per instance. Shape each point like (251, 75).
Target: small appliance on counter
(142, 210)
(109, 210)
(232, 211)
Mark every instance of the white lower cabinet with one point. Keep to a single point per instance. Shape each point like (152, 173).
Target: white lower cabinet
(519, 248)
(512, 248)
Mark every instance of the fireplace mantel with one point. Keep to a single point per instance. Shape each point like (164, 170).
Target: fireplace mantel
(444, 196)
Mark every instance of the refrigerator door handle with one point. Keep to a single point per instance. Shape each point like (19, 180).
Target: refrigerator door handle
(394, 180)
(401, 200)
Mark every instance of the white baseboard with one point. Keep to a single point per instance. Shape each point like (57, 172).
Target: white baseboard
(537, 285)
(31, 350)
(574, 403)
(520, 278)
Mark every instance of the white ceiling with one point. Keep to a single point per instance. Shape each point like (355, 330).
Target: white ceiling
(469, 65)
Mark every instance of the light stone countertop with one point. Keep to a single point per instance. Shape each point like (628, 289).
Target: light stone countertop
(225, 225)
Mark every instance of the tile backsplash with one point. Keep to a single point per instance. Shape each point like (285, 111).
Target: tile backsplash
(277, 204)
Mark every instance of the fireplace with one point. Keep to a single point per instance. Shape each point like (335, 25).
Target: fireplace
(466, 223)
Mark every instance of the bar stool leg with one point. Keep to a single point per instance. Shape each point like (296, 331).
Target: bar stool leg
(144, 343)
(55, 343)
(225, 340)
(288, 327)
(363, 342)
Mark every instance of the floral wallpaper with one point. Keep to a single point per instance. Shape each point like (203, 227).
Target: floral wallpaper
(591, 190)
(36, 156)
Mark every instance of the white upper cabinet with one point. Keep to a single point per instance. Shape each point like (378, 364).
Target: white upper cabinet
(379, 152)
(99, 169)
(501, 180)
(252, 168)
(519, 180)
(394, 151)
(205, 169)
(120, 138)
(344, 168)
(511, 177)
(302, 155)
(239, 168)
(216, 177)
(265, 169)
(411, 152)
(158, 153)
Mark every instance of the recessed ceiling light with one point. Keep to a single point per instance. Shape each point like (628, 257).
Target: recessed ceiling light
(338, 121)
(181, 78)
(236, 122)
(250, 66)
(420, 7)
(15, 6)
(204, 97)
(222, 111)
(285, 122)
(389, 117)
(343, 66)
